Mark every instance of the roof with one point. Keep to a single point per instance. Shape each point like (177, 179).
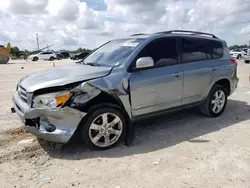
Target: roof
(176, 33)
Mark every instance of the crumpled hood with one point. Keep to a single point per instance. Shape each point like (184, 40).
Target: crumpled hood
(62, 75)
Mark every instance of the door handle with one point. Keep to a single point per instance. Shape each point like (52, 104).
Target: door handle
(176, 74)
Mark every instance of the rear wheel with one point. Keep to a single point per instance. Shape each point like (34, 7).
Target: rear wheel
(239, 56)
(35, 59)
(216, 102)
(103, 128)
(246, 61)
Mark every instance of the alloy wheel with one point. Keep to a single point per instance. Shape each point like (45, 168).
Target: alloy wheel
(105, 130)
(218, 101)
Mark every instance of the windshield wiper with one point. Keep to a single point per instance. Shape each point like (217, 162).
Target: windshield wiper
(81, 61)
(92, 64)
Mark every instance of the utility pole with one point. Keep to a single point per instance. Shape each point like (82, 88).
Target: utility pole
(37, 41)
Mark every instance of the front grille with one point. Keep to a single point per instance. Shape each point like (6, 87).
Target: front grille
(22, 93)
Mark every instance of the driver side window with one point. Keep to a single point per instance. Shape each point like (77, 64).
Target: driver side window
(163, 52)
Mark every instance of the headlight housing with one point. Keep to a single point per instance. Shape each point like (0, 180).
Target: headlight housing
(51, 100)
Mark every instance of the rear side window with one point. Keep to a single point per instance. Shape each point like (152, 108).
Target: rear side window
(46, 53)
(200, 49)
(195, 50)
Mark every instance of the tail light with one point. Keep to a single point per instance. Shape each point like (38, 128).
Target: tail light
(233, 61)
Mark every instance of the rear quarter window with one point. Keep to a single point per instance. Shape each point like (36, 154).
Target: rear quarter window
(217, 49)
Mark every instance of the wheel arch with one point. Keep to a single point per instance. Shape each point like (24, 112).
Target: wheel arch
(105, 99)
(225, 83)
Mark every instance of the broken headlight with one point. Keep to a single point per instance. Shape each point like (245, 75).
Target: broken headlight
(52, 100)
(86, 96)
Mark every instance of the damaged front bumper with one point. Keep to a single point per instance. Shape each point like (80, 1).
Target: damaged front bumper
(56, 125)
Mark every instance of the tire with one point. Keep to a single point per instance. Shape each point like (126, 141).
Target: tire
(207, 108)
(239, 56)
(35, 59)
(94, 130)
(246, 61)
(51, 58)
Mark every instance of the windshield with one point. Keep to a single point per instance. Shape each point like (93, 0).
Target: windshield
(113, 53)
(236, 50)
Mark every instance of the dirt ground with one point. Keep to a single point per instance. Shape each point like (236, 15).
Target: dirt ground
(180, 150)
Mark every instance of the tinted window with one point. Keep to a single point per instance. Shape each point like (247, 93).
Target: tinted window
(163, 52)
(217, 49)
(46, 53)
(201, 49)
(195, 50)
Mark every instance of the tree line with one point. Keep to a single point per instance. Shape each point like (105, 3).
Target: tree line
(234, 47)
(16, 52)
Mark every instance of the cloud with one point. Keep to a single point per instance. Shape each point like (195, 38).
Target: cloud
(88, 18)
(140, 11)
(246, 30)
(64, 9)
(89, 23)
(70, 41)
(7, 36)
(26, 6)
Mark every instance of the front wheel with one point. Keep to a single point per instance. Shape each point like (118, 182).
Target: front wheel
(103, 128)
(246, 61)
(239, 56)
(216, 102)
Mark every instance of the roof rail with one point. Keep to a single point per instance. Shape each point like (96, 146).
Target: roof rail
(138, 34)
(186, 31)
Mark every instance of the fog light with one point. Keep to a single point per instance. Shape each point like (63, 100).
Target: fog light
(50, 128)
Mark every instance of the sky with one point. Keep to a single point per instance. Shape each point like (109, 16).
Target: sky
(71, 24)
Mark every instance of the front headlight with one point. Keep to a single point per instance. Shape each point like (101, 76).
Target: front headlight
(52, 100)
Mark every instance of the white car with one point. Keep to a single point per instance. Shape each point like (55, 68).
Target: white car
(43, 56)
(237, 53)
(246, 56)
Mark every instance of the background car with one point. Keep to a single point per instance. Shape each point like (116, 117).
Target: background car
(237, 53)
(43, 56)
(63, 54)
(79, 55)
(58, 56)
(246, 57)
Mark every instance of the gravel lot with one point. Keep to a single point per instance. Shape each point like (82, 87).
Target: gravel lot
(180, 150)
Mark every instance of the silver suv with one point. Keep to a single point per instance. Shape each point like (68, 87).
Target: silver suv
(125, 80)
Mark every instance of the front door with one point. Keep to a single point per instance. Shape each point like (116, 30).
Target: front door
(159, 87)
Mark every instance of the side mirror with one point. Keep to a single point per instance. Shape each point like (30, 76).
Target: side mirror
(144, 62)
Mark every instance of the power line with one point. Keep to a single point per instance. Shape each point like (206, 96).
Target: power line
(37, 41)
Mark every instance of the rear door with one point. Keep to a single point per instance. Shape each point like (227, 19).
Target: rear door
(199, 68)
(42, 55)
(48, 55)
(158, 87)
